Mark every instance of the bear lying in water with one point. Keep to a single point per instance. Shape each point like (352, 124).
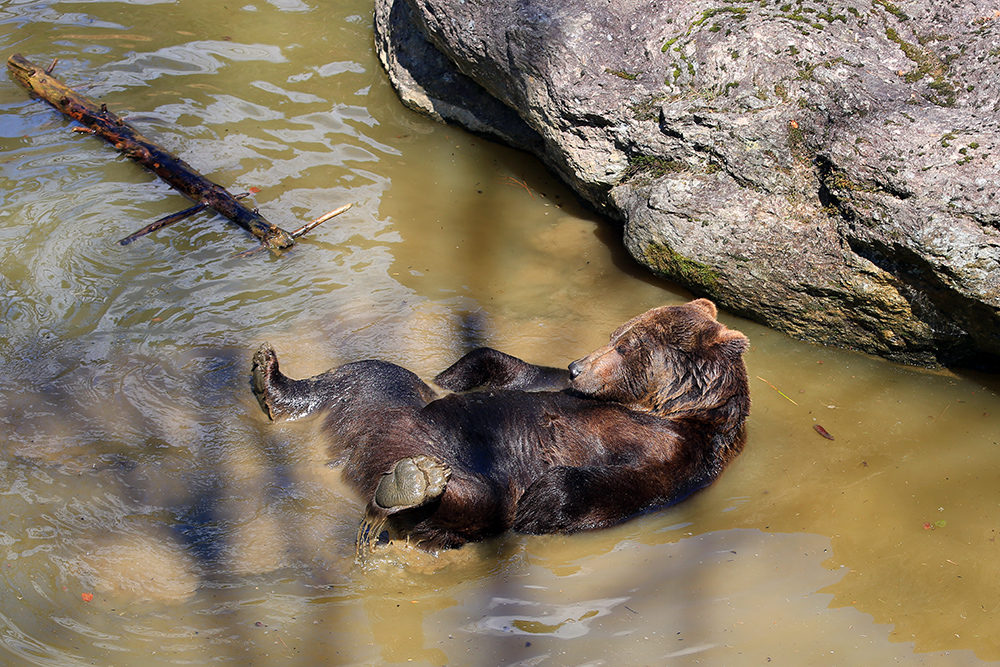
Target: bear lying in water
(640, 423)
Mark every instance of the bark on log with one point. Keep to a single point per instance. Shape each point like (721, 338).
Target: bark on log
(177, 173)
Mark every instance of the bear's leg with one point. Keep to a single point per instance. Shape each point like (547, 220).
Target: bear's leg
(412, 482)
(272, 389)
(279, 396)
(357, 391)
(486, 368)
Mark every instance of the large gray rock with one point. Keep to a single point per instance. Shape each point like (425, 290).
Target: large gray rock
(829, 172)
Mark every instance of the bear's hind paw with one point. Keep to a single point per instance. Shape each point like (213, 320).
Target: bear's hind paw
(412, 482)
(265, 367)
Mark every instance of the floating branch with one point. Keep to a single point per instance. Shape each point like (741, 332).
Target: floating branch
(177, 173)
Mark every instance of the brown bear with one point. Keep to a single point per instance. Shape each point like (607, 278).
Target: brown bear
(641, 423)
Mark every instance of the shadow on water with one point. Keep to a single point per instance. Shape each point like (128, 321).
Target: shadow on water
(162, 497)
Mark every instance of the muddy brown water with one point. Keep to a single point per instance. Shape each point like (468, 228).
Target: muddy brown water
(137, 469)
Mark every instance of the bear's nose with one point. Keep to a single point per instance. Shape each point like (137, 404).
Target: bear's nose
(574, 370)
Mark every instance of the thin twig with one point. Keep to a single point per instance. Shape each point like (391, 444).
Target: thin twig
(940, 415)
(48, 70)
(298, 232)
(175, 217)
(305, 229)
(163, 222)
(251, 251)
(775, 388)
(520, 184)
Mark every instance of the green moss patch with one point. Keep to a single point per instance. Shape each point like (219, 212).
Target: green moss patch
(622, 74)
(942, 92)
(892, 9)
(667, 262)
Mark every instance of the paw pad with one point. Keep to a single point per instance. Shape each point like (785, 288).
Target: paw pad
(411, 483)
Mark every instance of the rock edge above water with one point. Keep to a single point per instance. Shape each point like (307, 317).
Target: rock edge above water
(831, 173)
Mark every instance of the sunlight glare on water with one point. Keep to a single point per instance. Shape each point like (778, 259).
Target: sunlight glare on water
(149, 512)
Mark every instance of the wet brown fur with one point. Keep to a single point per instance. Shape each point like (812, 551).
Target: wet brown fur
(639, 423)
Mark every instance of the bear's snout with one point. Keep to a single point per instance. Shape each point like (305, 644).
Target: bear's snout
(575, 369)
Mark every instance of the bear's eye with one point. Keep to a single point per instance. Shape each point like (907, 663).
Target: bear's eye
(625, 346)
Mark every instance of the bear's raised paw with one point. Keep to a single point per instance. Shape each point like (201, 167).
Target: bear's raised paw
(412, 482)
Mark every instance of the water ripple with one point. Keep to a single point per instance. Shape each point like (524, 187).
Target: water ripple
(198, 57)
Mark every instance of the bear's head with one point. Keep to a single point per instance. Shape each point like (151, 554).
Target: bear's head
(670, 361)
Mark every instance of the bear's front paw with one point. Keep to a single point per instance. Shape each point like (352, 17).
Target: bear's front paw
(412, 482)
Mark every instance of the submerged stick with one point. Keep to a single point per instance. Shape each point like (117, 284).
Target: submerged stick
(177, 173)
(775, 388)
(160, 223)
(163, 222)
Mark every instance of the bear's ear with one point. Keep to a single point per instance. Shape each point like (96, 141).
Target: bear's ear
(733, 342)
(706, 306)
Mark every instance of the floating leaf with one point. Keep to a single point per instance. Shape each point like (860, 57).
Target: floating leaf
(822, 431)
(87, 597)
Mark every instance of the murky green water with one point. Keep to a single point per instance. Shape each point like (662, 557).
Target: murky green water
(137, 468)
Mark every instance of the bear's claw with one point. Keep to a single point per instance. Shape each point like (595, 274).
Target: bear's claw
(412, 482)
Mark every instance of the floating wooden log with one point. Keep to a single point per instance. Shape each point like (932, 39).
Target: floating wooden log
(177, 173)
